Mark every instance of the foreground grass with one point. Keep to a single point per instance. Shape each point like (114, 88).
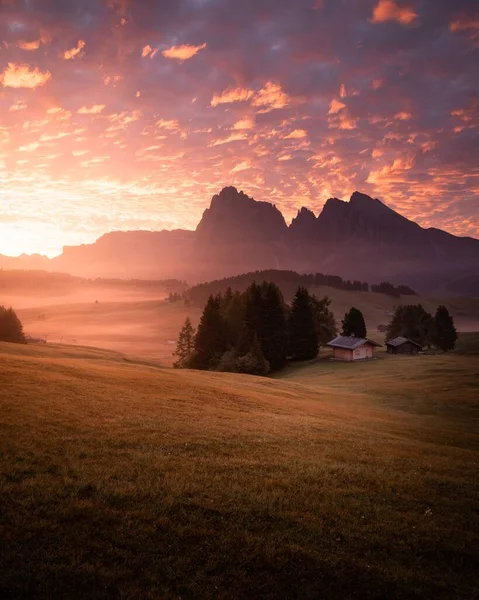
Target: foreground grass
(122, 480)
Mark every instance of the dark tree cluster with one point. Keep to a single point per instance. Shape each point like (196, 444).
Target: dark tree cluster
(255, 331)
(415, 323)
(11, 329)
(174, 297)
(390, 290)
(287, 281)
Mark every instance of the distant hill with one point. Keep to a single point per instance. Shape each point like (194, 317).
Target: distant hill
(362, 239)
(288, 282)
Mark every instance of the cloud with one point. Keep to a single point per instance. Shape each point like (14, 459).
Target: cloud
(171, 125)
(30, 46)
(335, 106)
(403, 116)
(22, 76)
(183, 52)
(96, 109)
(234, 137)
(231, 95)
(18, 105)
(149, 51)
(75, 51)
(243, 166)
(271, 97)
(245, 123)
(296, 134)
(388, 10)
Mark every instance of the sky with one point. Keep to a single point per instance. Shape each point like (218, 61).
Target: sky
(128, 114)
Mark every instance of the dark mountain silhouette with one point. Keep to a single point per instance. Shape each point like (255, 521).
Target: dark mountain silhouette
(360, 239)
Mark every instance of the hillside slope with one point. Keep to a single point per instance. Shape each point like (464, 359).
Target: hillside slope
(123, 480)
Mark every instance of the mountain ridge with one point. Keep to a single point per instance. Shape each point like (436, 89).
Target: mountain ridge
(360, 238)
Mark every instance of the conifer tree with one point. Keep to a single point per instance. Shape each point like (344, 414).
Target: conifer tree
(302, 330)
(273, 329)
(444, 334)
(324, 319)
(211, 339)
(185, 345)
(353, 323)
(412, 322)
(11, 328)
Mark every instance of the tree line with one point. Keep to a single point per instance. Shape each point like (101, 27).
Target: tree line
(255, 331)
(288, 282)
(415, 323)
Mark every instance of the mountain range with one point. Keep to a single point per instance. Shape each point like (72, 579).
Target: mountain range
(359, 239)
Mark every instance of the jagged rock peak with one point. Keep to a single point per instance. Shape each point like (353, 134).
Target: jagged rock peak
(234, 215)
(304, 223)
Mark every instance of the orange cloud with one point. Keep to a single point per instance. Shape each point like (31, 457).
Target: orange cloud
(245, 123)
(388, 10)
(149, 51)
(70, 54)
(96, 109)
(335, 106)
(29, 45)
(21, 76)
(232, 95)
(403, 116)
(271, 97)
(297, 134)
(471, 27)
(234, 137)
(171, 125)
(183, 52)
(243, 166)
(18, 105)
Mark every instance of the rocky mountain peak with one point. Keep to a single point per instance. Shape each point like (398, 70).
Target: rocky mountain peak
(304, 223)
(235, 217)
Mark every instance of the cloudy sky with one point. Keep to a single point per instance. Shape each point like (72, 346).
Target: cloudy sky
(124, 114)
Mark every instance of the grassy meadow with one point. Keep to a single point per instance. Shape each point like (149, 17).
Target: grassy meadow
(123, 479)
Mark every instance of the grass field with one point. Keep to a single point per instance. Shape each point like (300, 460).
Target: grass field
(120, 479)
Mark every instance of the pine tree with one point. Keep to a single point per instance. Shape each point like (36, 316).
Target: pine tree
(353, 324)
(11, 328)
(212, 339)
(185, 345)
(412, 322)
(273, 334)
(302, 330)
(444, 334)
(324, 319)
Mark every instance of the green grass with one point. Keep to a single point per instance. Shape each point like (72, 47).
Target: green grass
(125, 480)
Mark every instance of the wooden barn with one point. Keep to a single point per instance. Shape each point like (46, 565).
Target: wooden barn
(401, 345)
(351, 348)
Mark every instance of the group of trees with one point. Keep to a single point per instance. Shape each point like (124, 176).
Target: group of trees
(390, 290)
(415, 323)
(11, 329)
(256, 331)
(288, 282)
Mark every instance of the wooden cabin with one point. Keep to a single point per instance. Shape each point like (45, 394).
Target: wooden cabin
(350, 348)
(401, 345)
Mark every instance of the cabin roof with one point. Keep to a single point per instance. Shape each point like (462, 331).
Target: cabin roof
(350, 342)
(399, 341)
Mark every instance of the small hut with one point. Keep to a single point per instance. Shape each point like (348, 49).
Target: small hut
(351, 348)
(401, 345)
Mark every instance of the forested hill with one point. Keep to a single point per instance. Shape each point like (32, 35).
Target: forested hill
(288, 282)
